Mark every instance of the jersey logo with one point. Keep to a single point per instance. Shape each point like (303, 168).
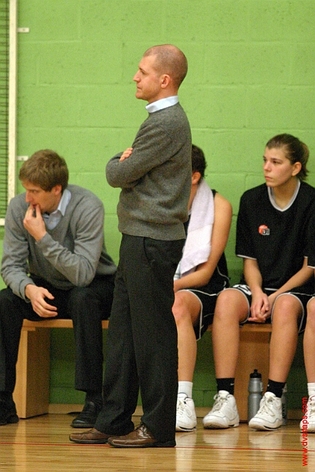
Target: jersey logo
(264, 230)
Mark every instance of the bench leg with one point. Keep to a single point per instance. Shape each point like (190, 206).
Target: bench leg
(253, 354)
(31, 394)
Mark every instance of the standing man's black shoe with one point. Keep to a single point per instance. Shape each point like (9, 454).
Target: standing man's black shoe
(87, 417)
(8, 412)
(140, 437)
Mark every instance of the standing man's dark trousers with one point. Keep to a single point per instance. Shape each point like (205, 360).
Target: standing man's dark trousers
(86, 306)
(141, 346)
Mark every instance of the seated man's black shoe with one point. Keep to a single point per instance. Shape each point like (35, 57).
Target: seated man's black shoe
(87, 417)
(8, 412)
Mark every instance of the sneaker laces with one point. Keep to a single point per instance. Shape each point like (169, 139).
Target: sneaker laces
(219, 401)
(181, 405)
(311, 406)
(266, 406)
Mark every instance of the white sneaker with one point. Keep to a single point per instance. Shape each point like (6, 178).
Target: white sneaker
(186, 419)
(307, 424)
(224, 412)
(269, 415)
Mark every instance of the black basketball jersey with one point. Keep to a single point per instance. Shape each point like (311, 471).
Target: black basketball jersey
(277, 239)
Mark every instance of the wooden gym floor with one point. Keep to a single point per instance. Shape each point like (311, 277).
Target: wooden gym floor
(41, 444)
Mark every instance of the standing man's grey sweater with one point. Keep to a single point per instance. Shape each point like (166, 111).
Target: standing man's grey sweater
(152, 177)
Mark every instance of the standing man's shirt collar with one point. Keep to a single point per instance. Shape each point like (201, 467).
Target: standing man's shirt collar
(53, 219)
(163, 103)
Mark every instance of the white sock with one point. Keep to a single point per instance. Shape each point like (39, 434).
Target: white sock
(311, 389)
(185, 387)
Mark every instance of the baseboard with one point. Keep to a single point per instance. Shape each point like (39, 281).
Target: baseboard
(62, 408)
(73, 408)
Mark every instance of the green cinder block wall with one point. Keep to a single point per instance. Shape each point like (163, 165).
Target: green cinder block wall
(251, 75)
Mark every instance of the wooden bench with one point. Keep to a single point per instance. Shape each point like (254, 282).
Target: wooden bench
(31, 392)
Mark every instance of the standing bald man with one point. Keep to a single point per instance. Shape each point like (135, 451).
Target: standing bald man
(155, 177)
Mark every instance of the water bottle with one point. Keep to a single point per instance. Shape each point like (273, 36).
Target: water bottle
(284, 405)
(255, 388)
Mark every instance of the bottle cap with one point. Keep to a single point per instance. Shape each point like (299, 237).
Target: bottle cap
(255, 374)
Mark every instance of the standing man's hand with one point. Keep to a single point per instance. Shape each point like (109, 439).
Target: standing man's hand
(127, 153)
